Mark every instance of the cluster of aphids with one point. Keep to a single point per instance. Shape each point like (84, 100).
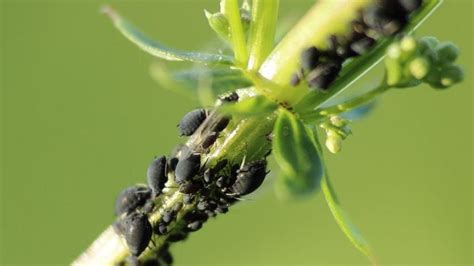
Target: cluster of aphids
(319, 68)
(206, 190)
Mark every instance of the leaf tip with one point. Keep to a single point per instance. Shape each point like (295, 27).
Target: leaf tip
(110, 12)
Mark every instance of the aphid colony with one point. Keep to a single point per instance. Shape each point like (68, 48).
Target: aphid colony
(207, 190)
(320, 67)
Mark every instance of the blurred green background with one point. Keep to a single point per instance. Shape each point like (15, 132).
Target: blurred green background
(81, 119)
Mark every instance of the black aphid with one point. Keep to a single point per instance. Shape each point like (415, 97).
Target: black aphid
(202, 205)
(222, 209)
(172, 162)
(209, 140)
(362, 45)
(166, 257)
(194, 226)
(151, 262)
(168, 216)
(191, 121)
(310, 58)
(229, 97)
(177, 237)
(195, 216)
(385, 20)
(157, 175)
(210, 173)
(295, 79)
(161, 229)
(137, 232)
(249, 177)
(187, 167)
(323, 75)
(131, 199)
(221, 124)
(188, 199)
(190, 187)
(410, 5)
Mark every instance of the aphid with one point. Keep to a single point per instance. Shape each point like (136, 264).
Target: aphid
(210, 213)
(166, 257)
(222, 209)
(177, 237)
(295, 79)
(202, 205)
(221, 181)
(161, 229)
(188, 199)
(172, 162)
(209, 174)
(168, 216)
(191, 121)
(362, 46)
(209, 140)
(190, 187)
(157, 175)
(151, 262)
(410, 5)
(229, 97)
(195, 216)
(131, 199)
(221, 124)
(137, 232)
(310, 58)
(187, 167)
(384, 20)
(194, 226)
(249, 177)
(323, 75)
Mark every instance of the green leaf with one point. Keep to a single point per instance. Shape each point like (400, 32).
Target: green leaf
(342, 219)
(219, 23)
(258, 105)
(191, 82)
(157, 49)
(262, 31)
(296, 154)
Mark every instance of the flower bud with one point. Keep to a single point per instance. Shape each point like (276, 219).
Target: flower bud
(334, 143)
(419, 67)
(451, 75)
(219, 24)
(447, 52)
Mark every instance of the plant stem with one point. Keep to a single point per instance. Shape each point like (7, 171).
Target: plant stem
(262, 31)
(239, 45)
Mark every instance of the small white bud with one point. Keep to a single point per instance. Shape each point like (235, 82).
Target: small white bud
(333, 143)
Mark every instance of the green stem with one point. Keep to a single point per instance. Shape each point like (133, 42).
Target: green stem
(232, 12)
(262, 31)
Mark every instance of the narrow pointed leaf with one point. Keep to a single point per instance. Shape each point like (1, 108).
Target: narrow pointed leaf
(191, 81)
(159, 50)
(258, 105)
(296, 154)
(342, 219)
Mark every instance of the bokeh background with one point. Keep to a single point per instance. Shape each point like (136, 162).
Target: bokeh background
(81, 119)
